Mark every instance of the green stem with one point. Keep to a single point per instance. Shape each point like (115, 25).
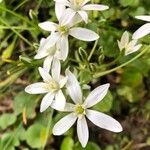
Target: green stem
(17, 33)
(97, 75)
(17, 27)
(47, 129)
(18, 16)
(112, 63)
(93, 49)
(128, 146)
(21, 4)
(5, 40)
(38, 5)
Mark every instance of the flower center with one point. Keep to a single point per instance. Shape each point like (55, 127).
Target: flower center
(53, 86)
(63, 30)
(79, 110)
(77, 4)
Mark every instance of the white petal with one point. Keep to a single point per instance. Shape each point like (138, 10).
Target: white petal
(59, 10)
(60, 101)
(46, 101)
(51, 41)
(68, 107)
(121, 47)
(63, 81)
(56, 69)
(83, 34)
(73, 87)
(142, 31)
(104, 121)
(95, 7)
(48, 26)
(58, 54)
(76, 19)
(83, 15)
(64, 47)
(67, 16)
(45, 75)
(82, 131)
(41, 53)
(64, 124)
(144, 17)
(131, 44)
(96, 95)
(46, 47)
(36, 88)
(124, 39)
(47, 63)
(135, 48)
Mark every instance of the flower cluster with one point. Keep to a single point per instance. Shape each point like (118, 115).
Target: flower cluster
(54, 49)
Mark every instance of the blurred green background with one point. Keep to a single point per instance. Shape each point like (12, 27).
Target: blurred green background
(23, 127)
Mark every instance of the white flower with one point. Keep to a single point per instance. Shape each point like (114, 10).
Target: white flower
(60, 32)
(80, 111)
(143, 30)
(77, 7)
(50, 53)
(51, 85)
(128, 46)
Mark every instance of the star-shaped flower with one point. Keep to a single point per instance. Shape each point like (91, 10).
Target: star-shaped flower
(80, 111)
(128, 46)
(60, 32)
(51, 85)
(143, 30)
(77, 7)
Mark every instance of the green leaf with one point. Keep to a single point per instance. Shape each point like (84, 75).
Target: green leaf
(131, 94)
(6, 120)
(111, 48)
(109, 147)
(132, 77)
(85, 76)
(20, 133)
(129, 3)
(8, 51)
(36, 135)
(9, 141)
(106, 104)
(10, 79)
(126, 92)
(25, 102)
(90, 146)
(67, 144)
(138, 11)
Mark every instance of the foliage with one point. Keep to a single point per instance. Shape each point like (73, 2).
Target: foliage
(21, 124)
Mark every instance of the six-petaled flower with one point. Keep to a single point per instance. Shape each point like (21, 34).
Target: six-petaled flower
(80, 111)
(51, 85)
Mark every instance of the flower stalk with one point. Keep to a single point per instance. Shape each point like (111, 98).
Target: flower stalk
(100, 74)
